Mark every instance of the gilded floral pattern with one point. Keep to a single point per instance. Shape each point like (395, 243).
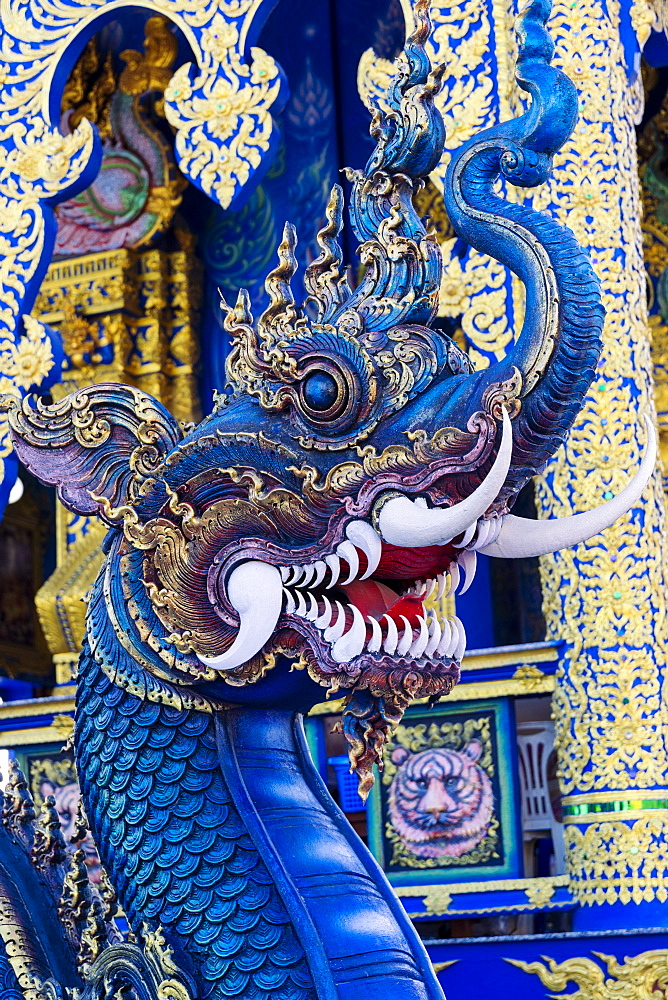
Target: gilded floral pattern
(637, 978)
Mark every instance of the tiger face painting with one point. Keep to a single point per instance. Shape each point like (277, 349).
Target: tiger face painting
(441, 800)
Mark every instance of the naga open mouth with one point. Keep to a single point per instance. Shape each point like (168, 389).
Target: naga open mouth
(366, 598)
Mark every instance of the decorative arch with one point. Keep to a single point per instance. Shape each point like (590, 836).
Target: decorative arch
(220, 106)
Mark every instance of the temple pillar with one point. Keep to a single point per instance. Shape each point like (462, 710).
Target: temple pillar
(606, 598)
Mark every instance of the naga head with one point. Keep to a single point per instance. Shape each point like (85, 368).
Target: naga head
(284, 547)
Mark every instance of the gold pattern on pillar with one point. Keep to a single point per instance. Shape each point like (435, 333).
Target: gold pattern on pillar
(607, 597)
(652, 146)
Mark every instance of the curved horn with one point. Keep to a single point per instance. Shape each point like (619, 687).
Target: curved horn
(520, 537)
(407, 524)
(255, 590)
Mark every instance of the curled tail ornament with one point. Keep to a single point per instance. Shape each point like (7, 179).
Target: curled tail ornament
(554, 357)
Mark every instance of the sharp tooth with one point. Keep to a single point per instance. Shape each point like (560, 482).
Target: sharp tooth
(446, 638)
(312, 612)
(309, 573)
(255, 592)
(351, 644)
(434, 636)
(320, 570)
(392, 637)
(421, 502)
(420, 644)
(301, 605)
(442, 583)
(468, 561)
(334, 564)
(285, 572)
(454, 637)
(458, 651)
(336, 630)
(365, 538)
(376, 640)
(417, 588)
(454, 579)
(347, 551)
(289, 601)
(431, 586)
(326, 617)
(467, 536)
(297, 573)
(406, 640)
(484, 529)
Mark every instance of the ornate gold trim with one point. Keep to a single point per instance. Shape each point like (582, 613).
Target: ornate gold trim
(12, 738)
(438, 898)
(645, 975)
(38, 706)
(60, 600)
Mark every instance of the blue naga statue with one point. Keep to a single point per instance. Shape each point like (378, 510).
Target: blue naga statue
(282, 550)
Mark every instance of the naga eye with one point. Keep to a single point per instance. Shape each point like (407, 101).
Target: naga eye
(326, 391)
(320, 391)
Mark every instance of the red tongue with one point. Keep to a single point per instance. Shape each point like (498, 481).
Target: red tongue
(374, 600)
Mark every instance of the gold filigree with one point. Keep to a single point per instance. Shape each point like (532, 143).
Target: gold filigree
(145, 308)
(89, 90)
(227, 103)
(38, 163)
(60, 600)
(152, 68)
(438, 899)
(30, 360)
(637, 978)
(615, 861)
(54, 771)
(540, 893)
(63, 725)
(530, 677)
(476, 290)
(647, 16)
(82, 340)
(35, 161)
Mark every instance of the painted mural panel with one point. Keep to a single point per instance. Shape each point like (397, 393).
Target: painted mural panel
(445, 806)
